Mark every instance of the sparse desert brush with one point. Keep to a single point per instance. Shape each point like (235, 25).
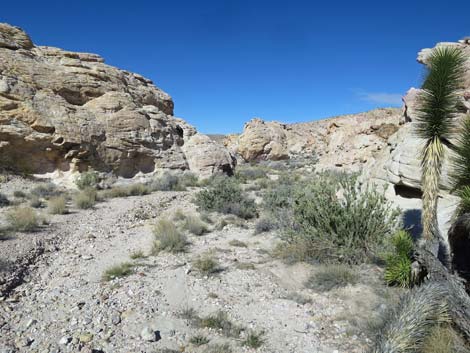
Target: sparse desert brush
(117, 191)
(19, 194)
(167, 182)
(221, 322)
(207, 264)
(265, 224)
(45, 190)
(199, 340)
(219, 348)
(398, 261)
(238, 243)
(57, 205)
(167, 237)
(248, 173)
(226, 196)
(23, 219)
(330, 277)
(444, 339)
(139, 254)
(118, 271)
(138, 189)
(35, 201)
(194, 225)
(330, 215)
(179, 215)
(188, 179)
(253, 339)
(86, 199)
(87, 180)
(4, 200)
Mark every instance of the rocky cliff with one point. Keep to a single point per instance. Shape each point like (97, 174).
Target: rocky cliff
(347, 141)
(63, 111)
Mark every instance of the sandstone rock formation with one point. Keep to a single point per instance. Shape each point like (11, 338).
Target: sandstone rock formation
(67, 111)
(347, 141)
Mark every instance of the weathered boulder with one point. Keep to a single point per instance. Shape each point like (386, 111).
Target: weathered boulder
(66, 111)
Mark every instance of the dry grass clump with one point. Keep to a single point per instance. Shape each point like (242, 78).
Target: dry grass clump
(168, 238)
(45, 190)
(194, 225)
(35, 201)
(221, 322)
(118, 271)
(238, 243)
(443, 339)
(139, 254)
(265, 224)
(254, 340)
(330, 277)
(23, 219)
(86, 199)
(207, 264)
(57, 205)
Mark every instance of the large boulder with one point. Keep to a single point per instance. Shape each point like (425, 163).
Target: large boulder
(66, 111)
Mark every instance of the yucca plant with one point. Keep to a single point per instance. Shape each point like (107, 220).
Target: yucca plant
(398, 261)
(436, 113)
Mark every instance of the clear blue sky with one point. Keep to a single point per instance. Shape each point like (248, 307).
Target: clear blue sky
(224, 62)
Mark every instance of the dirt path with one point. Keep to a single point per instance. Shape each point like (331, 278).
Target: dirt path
(64, 306)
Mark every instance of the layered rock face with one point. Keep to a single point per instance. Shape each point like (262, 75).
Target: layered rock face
(69, 111)
(347, 141)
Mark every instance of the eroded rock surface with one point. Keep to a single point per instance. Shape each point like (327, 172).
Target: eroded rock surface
(68, 111)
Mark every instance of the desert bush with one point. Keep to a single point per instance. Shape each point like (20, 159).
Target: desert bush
(19, 194)
(117, 191)
(45, 190)
(57, 205)
(238, 243)
(253, 340)
(265, 224)
(167, 182)
(398, 260)
(188, 179)
(249, 173)
(330, 277)
(334, 218)
(138, 189)
(139, 254)
(226, 196)
(86, 199)
(168, 238)
(194, 225)
(117, 271)
(4, 200)
(444, 339)
(220, 321)
(207, 264)
(23, 219)
(88, 179)
(199, 340)
(35, 201)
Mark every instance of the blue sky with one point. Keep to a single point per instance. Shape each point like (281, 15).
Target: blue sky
(224, 62)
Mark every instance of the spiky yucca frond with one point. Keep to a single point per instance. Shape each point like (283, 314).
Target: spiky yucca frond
(398, 261)
(461, 160)
(464, 204)
(436, 114)
(419, 311)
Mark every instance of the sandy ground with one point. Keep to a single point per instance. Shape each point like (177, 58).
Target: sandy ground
(61, 303)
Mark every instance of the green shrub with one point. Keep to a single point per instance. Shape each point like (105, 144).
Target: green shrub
(45, 190)
(88, 179)
(4, 200)
(139, 254)
(332, 276)
(167, 182)
(249, 173)
(19, 194)
(207, 264)
(22, 219)
(168, 238)
(86, 199)
(220, 321)
(57, 205)
(398, 261)
(138, 189)
(118, 271)
(334, 218)
(199, 340)
(188, 179)
(226, 196)
(194, 225)
(265, 224)
(254, 340)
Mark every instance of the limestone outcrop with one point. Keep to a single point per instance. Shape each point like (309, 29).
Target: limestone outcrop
(66, 111)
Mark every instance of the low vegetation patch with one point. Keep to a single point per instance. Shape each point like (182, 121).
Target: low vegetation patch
(238, 243)
(118, 271)
(199, 340)
(254, 340)
(443, 339)
(398, 261)
(250, 173)
(35, 201)
(265, 224)
(219, 348)
(331, 277)
(86, 180)
(137, 255)
(86, 199)
(331, 218)
(219, 321)
(57, 205)
(45, 190)
(4, 200)
(168, 238)
(224, 195)
(207, 264)
(194, 225)
(23, 219)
